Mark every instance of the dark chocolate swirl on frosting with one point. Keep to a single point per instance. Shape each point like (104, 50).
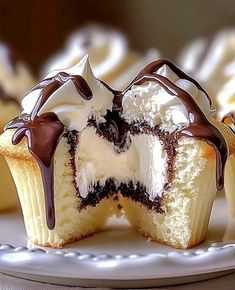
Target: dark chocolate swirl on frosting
(44, 131)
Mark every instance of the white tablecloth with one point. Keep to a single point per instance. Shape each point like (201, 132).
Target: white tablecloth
(10, 283)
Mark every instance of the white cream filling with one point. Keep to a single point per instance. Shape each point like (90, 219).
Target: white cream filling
(144, 161)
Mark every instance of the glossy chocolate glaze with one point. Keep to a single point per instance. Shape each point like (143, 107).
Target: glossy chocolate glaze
(47, 128)
(43, 133)
(115, 130)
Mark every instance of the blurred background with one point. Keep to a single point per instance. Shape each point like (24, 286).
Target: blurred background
(37, 29)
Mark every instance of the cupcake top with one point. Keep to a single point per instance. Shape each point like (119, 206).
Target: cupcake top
(15, 78)
(75, 100)
(209, 59)
(160, 99)
(109, 54)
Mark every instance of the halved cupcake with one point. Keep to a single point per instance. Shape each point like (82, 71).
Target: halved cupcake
(155, 149)
(46, 164)
(182, 154)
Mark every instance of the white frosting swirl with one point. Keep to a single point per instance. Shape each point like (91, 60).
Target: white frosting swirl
(15, 79)
(153, 104)
(71, 108)
(208, 60)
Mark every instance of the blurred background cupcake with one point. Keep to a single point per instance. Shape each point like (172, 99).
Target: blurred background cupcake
(15, 80)
(110, 56)
(211, 60)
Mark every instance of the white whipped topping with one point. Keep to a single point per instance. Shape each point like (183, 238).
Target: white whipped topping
(71, 108)
(14, 81)
(152, 166)
(106, 49)
(215, 68)
(97, 160)
(153, 104)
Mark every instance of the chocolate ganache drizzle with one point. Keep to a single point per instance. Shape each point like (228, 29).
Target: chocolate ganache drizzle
(44, 131)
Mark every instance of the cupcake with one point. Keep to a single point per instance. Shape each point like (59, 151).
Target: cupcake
(182, 154)
(111, 59)
(210, 60)
(80, 152)
(15, 80)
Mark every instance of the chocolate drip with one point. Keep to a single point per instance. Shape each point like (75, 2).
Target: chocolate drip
(43, 133)
(199, 126)
(50, 85)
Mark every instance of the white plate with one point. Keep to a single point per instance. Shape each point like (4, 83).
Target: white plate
(118, 256)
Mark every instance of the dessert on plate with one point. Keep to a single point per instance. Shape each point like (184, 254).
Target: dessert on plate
(110, 56)
(81, 152)
(15, 80)
(211, 60)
